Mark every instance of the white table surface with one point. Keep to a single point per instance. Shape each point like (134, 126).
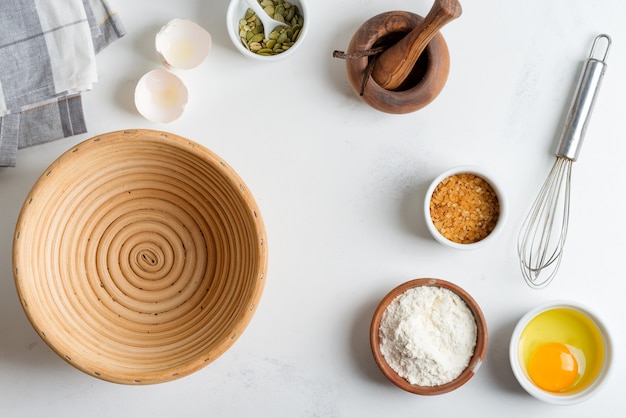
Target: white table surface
(341, 186)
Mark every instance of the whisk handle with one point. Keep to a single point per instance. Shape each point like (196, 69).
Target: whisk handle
(583, 101)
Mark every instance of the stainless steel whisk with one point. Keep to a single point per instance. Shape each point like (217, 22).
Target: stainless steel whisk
(543, 233)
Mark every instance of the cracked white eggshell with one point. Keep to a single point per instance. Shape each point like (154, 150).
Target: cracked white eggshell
(182, 44)
(160, 96)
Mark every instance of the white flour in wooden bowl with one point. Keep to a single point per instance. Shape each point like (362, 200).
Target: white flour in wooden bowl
(427, 335)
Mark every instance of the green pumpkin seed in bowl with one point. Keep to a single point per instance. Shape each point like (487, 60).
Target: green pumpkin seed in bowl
(247, 32)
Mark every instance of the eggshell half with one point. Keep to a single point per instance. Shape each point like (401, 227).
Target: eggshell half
(160, 96)
(182, 44)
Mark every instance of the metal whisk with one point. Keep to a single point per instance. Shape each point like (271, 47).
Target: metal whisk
(543, 233)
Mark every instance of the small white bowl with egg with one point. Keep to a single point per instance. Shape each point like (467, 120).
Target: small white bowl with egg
(561, 352)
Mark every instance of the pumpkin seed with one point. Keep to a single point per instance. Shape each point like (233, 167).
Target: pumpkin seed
(255, 46)
(281, 38)
(257, 38)
(274, 35)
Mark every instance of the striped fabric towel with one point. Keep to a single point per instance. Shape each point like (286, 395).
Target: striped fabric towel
(47, 58)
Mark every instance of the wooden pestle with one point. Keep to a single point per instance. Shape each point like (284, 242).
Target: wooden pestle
(395, 64)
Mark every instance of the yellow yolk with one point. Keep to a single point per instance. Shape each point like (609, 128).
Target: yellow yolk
(553, 367)
(566, 348)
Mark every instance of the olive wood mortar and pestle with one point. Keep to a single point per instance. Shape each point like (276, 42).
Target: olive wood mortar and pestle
(398, 62)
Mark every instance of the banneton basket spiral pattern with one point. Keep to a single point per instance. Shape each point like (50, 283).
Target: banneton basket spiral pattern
(139, 256)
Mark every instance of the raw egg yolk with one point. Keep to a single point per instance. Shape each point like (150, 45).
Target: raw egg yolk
(553, 367)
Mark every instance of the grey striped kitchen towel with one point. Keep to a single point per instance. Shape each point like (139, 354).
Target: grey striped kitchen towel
(47, 59)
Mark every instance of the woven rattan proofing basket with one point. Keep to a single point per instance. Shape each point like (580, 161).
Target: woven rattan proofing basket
(139, 256)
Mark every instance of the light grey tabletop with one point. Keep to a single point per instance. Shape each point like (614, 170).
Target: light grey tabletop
(341, 191)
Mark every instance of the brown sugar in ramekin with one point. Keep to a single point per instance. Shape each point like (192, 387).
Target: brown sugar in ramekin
(464, 208)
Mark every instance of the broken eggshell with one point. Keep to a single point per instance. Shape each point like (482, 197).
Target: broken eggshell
(160, 96)
(182, 44)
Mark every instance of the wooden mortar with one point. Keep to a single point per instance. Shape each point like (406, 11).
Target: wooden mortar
(423, 84)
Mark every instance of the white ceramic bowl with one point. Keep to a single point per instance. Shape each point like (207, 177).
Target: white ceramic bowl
(237, 10)
(494, 185)
(580, 321)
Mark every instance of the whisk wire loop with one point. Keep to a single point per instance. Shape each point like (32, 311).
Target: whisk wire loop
(541, 243)
(607, 46)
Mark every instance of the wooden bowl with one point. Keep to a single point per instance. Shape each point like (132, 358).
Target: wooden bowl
(139, 256)
(475, 361)
(423, 85)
